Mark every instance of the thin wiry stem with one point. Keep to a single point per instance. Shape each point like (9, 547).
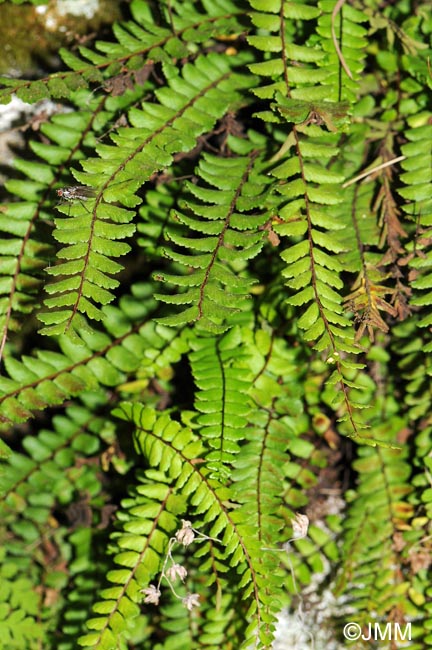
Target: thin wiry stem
(368, 172)
(338, 6)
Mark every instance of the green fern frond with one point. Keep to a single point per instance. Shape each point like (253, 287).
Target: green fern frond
(86, 280)
(278, 157)
(309, 97)
(176, 452)
(141, 43)
(418, 178)
(412, 339)
(20, 625)
(173, 451)
(47, 455)
(222, 379)
(137, 559)
(188, 107)
(371, 526)
(27, 248)
(418, 547)
(224, 231)
(55, 473)
(99, 359)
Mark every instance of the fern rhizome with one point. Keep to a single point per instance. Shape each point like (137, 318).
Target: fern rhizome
(215, 349)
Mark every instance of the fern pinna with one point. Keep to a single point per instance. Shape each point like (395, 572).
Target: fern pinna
(215, 379)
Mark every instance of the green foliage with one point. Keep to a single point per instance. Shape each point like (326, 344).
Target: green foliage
(222, 240)
(231, 303)
(19, 605)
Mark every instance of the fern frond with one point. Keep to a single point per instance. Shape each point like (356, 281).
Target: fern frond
(377, 515)
(309, 97)
(222, 379)
(412, 339)
(161, 498)
(27, 247)
(99, 360)
(141, 43)
(418, 177)
(261, 467)
(175, 451)
(138, 560)
(318, 77)
(187, 108)
(74, 434)
(224, 231)
(20, 624)
(260, 144)
(54, 479)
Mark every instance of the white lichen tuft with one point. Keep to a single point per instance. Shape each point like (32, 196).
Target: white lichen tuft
(84, 8)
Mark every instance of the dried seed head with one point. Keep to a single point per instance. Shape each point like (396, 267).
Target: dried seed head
(191, 601)
(152, 594)
(176, 570)
(300, 526)
(185, 535)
